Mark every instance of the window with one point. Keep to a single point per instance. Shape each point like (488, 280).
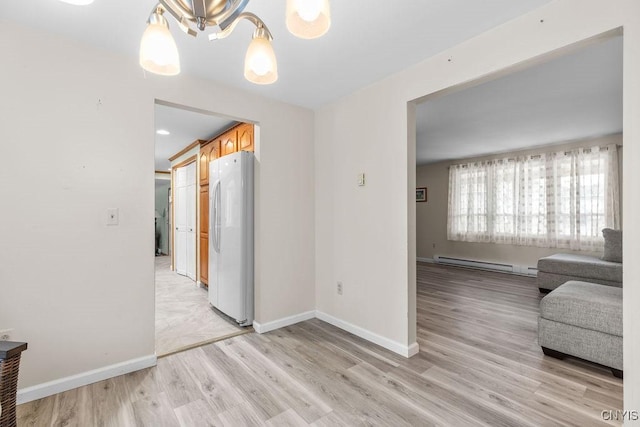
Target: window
(556, 199)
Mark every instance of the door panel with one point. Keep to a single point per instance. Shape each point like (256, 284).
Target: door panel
(204, 211)
(214, 255)
(204, 260)
(245, 137)
(181, 227)
(203, 164)
(191, 220)
(185, 221)
(229, 143)
(231, 289)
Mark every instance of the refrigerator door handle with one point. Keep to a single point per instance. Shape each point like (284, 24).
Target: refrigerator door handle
(214, 207)
(218, 216)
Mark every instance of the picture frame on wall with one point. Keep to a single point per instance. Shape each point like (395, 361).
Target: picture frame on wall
(421, 194)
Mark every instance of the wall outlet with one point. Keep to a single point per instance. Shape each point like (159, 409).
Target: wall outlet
(339, 288)
(361, 179)
(434, 246)
(6, 334)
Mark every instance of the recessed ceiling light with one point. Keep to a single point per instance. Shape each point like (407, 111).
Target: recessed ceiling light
(163, 132)
(78, 2)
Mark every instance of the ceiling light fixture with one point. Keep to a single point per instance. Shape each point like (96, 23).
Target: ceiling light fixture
(306, 19)
(163, 132)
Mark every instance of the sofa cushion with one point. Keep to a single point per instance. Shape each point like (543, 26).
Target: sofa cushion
(586, 305)
(612, 245)
(581, 266)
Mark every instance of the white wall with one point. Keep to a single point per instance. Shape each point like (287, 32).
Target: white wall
(82, 293)
(365, 236)
(431, 216)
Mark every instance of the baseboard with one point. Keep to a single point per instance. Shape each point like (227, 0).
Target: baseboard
(396, 347)
(261, 328)
(63, 384)
(427, 260)
(413, 349)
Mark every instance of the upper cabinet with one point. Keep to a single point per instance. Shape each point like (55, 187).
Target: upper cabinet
(229, 142)
(205, 152)
(245, 137)
(209, 151)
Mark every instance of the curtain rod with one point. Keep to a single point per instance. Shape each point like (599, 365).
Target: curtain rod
(535, 156)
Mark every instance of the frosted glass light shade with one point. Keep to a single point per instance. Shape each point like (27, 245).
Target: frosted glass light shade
(308, 19)
(78, 2)
(260, 65)
(158, 51)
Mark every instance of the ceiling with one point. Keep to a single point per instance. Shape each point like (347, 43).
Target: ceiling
(367, 40)
(573, 97)
(185, 126)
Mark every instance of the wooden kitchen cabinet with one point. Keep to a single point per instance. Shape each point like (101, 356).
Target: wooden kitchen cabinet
(204, 260)
(245, 137)
(229, 142)
(205, 153)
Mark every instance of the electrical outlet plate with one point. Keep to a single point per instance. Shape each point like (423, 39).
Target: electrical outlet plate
(6, 334)
(339, 288)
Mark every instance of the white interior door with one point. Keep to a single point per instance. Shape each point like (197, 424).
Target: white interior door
(191, 220)
(185, 219)
(180, 221)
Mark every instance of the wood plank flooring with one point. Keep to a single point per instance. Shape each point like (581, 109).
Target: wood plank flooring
(184, 317)
(479, 364)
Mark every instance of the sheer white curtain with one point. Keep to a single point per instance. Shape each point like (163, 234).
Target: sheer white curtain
(556, 199)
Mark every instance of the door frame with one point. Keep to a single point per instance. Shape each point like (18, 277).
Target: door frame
(181, 164)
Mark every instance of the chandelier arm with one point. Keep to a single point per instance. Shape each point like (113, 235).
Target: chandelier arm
(244, 15)
(181, 15)
(229, 15)
(183, 23)
(177, 10)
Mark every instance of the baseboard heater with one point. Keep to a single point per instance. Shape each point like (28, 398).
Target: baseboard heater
(486, 265)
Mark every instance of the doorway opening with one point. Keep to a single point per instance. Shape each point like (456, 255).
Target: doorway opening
(490, 177)
(186, 140)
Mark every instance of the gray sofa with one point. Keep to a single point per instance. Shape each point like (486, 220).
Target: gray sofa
(557, 269)
(582, 315)
(584, 320)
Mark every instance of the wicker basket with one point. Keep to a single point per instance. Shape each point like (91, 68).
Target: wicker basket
(9, 381)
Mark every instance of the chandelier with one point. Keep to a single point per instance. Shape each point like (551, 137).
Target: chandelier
(307, 19)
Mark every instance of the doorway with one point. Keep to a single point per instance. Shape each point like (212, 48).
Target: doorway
(186, 141)
(468, 139)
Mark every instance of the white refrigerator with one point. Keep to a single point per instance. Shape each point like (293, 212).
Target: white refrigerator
(231, 236)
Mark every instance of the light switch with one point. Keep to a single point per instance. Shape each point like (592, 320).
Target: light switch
(113, 216)
(361, 179)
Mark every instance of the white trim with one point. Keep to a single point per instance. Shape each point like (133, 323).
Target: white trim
(428, 260)
(74, 381)
(261, 328)
(396, 347)
(414, 349)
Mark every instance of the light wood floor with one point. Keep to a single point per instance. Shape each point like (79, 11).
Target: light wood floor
(479, 364)
(183, 315)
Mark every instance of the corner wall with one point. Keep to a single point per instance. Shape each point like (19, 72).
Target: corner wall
(364, 234)
(77, 138)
